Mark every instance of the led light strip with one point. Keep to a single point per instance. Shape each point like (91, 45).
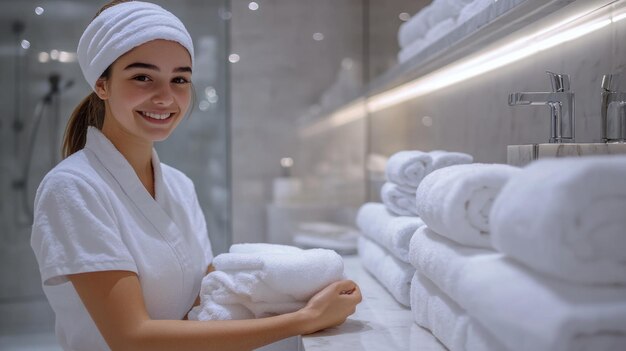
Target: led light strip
(484, 63)
(541, 40)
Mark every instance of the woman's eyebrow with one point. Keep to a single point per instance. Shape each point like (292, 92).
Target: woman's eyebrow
(142, 65)
(155, 68)
(183, 69)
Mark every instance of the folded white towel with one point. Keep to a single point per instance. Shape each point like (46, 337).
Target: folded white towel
(263, 248)
(442, 158)
(226, 296)
(259, 280)
(412, 49)
(407, 168)
(525, 311)
(415, 28)
(398, 200)
(435, 311)
(436, 12)
(567, 218)
(391, 232)
(440, 30)
(472, 9)
(211, 311)
(313, 269)
(393, 274)
(455, 201)
(454, 7)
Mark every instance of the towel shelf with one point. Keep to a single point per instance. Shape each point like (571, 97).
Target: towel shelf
(502, 19)
(380, 323)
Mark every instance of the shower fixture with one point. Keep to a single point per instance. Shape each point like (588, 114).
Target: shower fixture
(17, 28)
(49, 100)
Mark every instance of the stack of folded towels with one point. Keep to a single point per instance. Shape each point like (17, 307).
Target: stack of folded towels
(405, 171)
(388, 227)
(547, 272)
(435, 21)
(262, 280)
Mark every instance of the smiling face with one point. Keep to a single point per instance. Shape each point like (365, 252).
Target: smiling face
(147, 93)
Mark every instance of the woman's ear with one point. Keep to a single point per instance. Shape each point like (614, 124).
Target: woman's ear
(102, 90)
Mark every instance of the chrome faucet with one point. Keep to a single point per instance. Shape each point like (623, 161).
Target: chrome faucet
(561, 103)
(613, 109)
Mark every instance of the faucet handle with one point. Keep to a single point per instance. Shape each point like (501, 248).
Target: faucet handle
(613, 82)
(607, 82)
(560, 82)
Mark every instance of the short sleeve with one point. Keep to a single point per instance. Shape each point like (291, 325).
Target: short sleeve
(75, 231)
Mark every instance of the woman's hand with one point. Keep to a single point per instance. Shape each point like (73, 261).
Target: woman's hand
(331, 306)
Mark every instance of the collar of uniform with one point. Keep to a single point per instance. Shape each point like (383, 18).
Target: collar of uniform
(118, 166)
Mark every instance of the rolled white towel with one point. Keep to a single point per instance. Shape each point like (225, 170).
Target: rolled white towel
(412, 50)
(275, 280)
(472, 9)
(442, 158)
(454, 7)
(418, 25)
(525, 311)
(455, 201)
(240, 295)
(313, 269)
(440, 30)
(415, 28)
(435, 311)
(263, 247)
(393, 274)
(567, 218)
(398, 200)
(407, 168)
(211, 311)
(391, 232)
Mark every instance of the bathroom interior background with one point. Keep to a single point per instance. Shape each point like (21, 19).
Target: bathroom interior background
(268, 78)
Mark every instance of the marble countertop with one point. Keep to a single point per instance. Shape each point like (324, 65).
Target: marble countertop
(379, 323)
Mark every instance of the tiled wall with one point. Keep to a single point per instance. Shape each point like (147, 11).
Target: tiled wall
(283, 74)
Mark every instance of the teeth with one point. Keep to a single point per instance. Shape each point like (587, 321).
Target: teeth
(156, 115)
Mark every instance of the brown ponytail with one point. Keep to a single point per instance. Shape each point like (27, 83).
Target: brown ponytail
(90, 112)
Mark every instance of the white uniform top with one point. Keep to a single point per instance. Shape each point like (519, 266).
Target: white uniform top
(92, 213)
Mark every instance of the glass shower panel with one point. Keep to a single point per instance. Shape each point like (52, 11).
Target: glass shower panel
(41, 83)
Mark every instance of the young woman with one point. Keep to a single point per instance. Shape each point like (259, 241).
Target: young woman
(119, 237)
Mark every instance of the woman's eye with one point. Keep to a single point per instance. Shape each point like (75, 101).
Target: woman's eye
(180, 80)
(142, 78)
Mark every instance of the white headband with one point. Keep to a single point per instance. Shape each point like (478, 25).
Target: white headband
(123, 27)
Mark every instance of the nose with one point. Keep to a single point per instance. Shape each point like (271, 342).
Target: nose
(163, 95)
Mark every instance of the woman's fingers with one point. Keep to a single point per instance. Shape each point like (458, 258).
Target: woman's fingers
(348, 287)
(347, 292)
(344, 286)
